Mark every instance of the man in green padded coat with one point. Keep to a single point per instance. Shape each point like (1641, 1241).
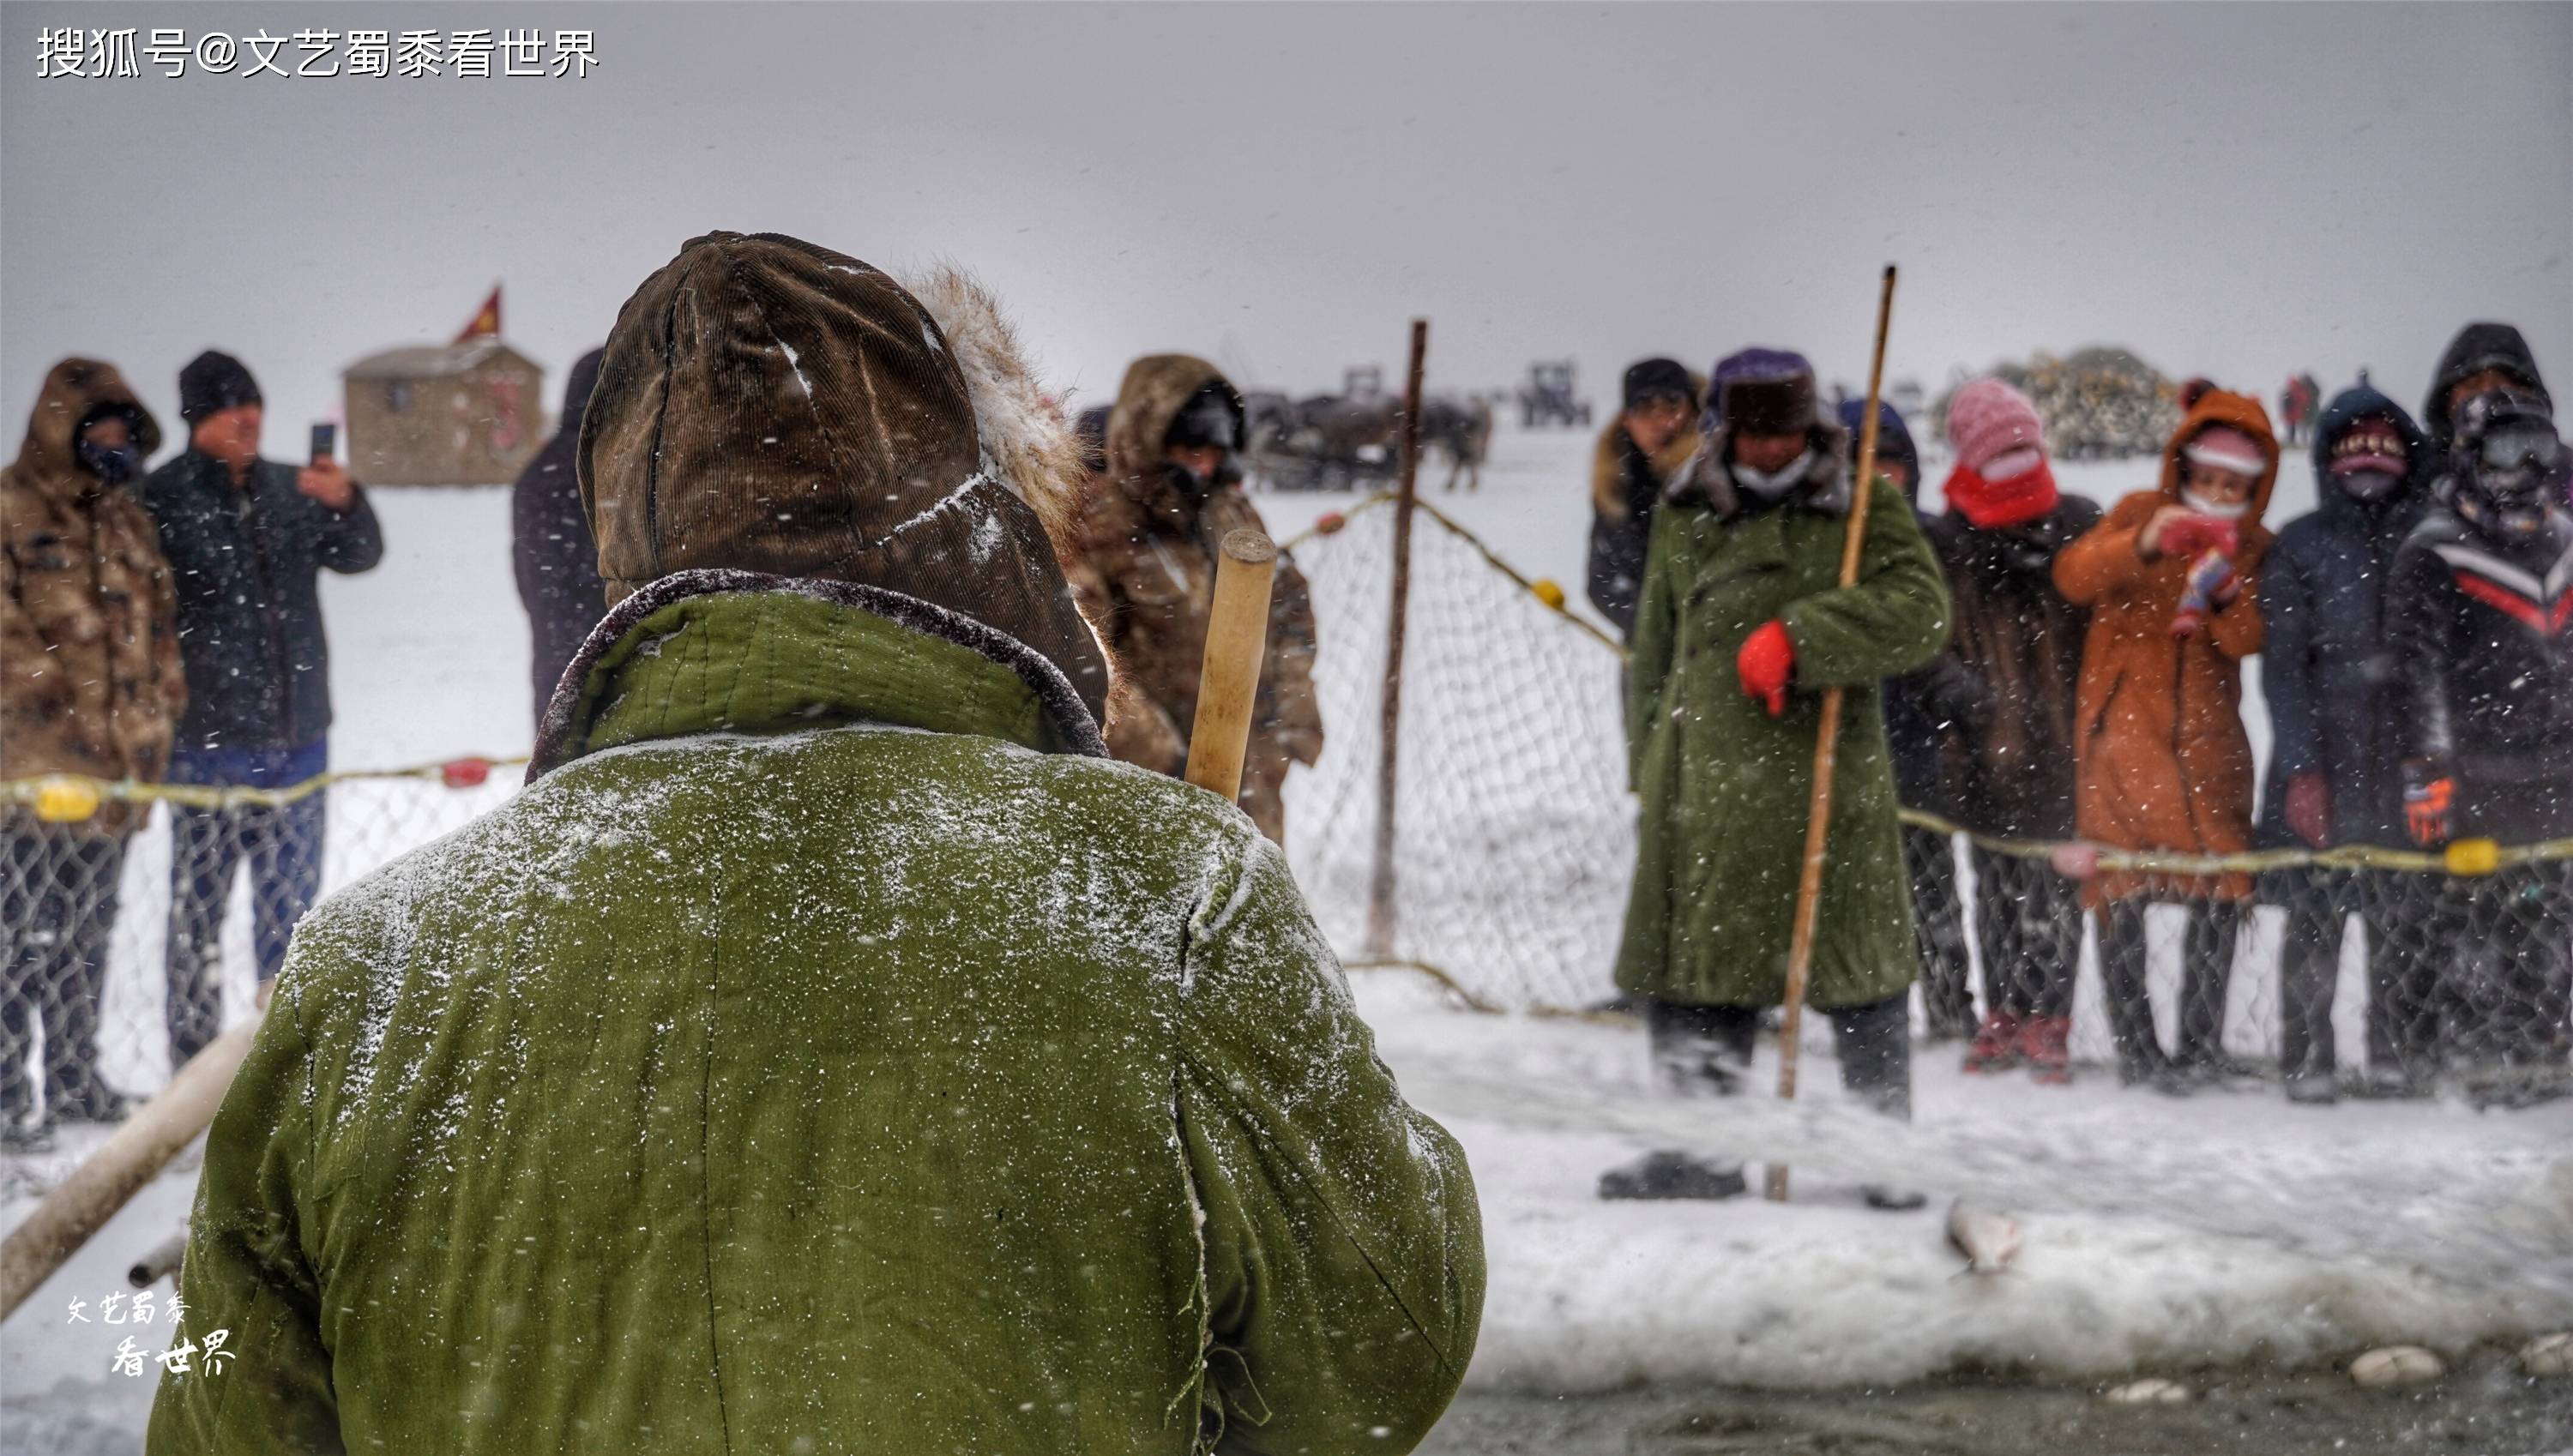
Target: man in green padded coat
(1742, 626)
(830, 1051)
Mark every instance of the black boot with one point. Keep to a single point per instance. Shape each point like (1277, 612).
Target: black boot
(1673, 1175)
(2131, 1010)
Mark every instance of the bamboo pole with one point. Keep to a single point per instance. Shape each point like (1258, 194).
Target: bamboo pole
(1380, 883)
(161, 1258)
(1229, 677)
(111, 1177)
(1809, 886)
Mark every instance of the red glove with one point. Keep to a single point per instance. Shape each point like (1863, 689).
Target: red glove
(1767, 661)
(2309, 807)
(2429, 796)
(2189, 535)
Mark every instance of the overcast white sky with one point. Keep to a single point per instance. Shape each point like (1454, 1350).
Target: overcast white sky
(2232, 190)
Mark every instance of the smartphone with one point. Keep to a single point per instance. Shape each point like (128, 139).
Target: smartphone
(325, 443)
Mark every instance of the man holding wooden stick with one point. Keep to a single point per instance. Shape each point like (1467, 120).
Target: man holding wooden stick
(1743, 631)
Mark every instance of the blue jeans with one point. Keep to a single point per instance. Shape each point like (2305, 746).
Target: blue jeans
(207, 846)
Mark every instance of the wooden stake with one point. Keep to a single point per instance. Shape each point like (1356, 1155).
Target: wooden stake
(1809, 886)
(1229, 677)
(126, 1160)
(1381, 884)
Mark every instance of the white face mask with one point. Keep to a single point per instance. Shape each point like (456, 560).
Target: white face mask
(2220, 509)
(1772, 484)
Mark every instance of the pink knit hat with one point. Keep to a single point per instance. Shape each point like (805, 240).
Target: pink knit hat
(1990, 423)
(2223, 447)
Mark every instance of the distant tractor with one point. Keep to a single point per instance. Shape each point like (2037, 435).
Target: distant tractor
(1546, 399)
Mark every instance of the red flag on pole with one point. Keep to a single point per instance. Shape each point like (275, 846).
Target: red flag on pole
(486, 320)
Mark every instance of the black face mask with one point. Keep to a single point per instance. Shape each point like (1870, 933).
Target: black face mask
(1195, 486)
(2509, 460)
(114, 464)
(2366, 486)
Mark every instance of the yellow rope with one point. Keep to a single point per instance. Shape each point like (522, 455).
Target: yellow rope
(2464, 858)
(2468, 856)
(1472, 1002)
(1316, 530)
(213, 796)
(1493, 559)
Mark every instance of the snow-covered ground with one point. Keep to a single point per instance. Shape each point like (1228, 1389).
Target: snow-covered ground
(2162, 1234)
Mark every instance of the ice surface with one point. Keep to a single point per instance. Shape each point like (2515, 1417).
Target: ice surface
(2160, 1235)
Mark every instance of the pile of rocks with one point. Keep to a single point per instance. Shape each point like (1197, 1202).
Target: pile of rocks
(2097, 404)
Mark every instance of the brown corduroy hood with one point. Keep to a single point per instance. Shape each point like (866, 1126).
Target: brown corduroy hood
(773, 406)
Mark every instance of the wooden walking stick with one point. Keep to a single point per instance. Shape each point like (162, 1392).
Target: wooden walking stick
(1809, 887)
(1229, 679)
(128, 1160)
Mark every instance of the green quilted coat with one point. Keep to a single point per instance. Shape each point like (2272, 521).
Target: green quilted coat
(821, 1059)
(1726, 789)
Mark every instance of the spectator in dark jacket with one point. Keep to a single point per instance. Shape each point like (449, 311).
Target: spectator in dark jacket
(549, 540)
(1913, 706)
(2012, 671)
(247, 540)
(2481, 600)
(2482, 357)
(1637, 455)
(2335, 759)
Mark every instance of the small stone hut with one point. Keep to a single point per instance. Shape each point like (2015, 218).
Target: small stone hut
(464, 413)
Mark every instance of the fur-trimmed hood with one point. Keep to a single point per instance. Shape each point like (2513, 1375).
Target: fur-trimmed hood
(770, 405)
(1147, 399)
(73, 391)
(1609, 466)
(2223, 407)
(1707, 479)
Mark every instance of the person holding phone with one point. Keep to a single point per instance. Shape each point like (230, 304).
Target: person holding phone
(247, 540)
(2170, 578)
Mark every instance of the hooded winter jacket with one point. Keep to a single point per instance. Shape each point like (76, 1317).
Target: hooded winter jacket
(90, 680)
(2164, 761)
(2327, 669)
(2479, 622)
(1625, 486)
(247, 560)
(829, 1052)
(1725, 788)
(555, 558)
(2477, 347)
(1144, 567)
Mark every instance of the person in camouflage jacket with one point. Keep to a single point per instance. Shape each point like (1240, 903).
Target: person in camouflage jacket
(1144, 566)
(90, 683)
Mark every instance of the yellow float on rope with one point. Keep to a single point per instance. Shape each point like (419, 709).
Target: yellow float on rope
(2473, 856)
(65, 799)
(1548, 591)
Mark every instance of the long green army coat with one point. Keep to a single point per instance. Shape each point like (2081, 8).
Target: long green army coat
(1726, 789)
(823, 1059)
